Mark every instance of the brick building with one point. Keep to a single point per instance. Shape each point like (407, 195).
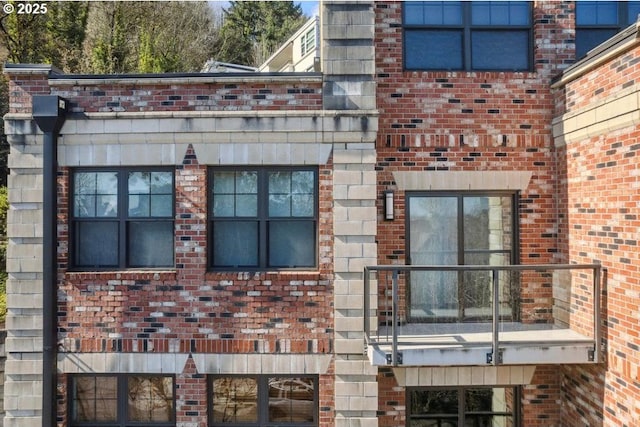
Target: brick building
(381, 243)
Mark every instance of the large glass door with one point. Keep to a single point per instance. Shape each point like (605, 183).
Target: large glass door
(458, 229)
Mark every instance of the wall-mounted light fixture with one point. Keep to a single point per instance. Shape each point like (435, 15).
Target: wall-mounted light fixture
(388, 205)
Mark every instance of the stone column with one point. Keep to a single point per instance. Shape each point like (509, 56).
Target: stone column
(348, 67)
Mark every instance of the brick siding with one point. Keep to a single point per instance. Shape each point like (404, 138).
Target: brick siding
(599, 220)
(475, 121)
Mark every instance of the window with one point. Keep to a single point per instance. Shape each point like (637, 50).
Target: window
(478, 35)
(473, 407)
(122, 218)
(263, 218)
(308, 42)
(597, 21)
(121, 400)
(472, 228)
(263, 401)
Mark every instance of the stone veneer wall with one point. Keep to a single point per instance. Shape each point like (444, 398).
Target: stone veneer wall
(348, 63)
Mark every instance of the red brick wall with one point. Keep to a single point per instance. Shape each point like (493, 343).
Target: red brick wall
(600, 221)
(22, 88)
(189, 309)
(193, 310)
(136, 96)
(474, 121)
(192, 97)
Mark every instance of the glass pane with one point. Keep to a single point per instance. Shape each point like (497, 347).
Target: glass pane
(302, 182)
(107, 206)
(246, 205)
(235, 244)
(279, 182)
(487, 223)
(162, 205)
(106, 182)
(235, 400)
(138, 205)
(223, 205)
(223, 182)
(150, 399)
(425, 402)
(150, 194)
(95, 194)
(477, 295)
(587, 39)
(487, 400)
(433, 230)
(161, 183)
(292, 244)
(433, 50)
(500, 50)
(84, 183)
(291, 400)
(139, 182)
(302, 205)
(279, 205)
(94, 399)
(596, 12)
(96, 244)
(433, 13)
(633, 12)
(150, 244)
(246, 182)
(84, 206)
(433, 234)
(235, 194)
(500, 13)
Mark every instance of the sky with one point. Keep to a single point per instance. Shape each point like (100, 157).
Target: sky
(310, 8)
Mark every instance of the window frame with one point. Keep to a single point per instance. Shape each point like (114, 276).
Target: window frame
(122, 410)
(308, 41)
(467, 28)
(263, 401)
(460, 196)
(460, 419)
(623, 21)
(122, 218)
(262, 217)
(462, 251)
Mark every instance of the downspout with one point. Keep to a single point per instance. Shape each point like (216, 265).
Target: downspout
(49, 114)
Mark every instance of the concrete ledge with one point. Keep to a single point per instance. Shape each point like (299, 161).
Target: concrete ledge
(462, 180)
(174, 363)
(465, 375)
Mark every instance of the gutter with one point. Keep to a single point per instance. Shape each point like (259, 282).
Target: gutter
(49, 113)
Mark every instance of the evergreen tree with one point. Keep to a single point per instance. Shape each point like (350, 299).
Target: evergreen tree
(253, 30)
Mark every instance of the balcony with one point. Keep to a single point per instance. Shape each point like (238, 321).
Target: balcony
(482, 315)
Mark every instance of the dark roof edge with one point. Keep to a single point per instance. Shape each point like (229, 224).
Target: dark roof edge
(194, 75)
(57, 75)
(13, 68)
(621, 42)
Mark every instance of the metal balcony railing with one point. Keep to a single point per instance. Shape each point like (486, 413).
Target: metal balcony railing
(480, 314)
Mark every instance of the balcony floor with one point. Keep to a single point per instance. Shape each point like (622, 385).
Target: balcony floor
(469, 344)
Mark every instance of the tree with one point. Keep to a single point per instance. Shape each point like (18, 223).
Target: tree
(52, 37)
(148, 37)
(252, 31)
(22, 37)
